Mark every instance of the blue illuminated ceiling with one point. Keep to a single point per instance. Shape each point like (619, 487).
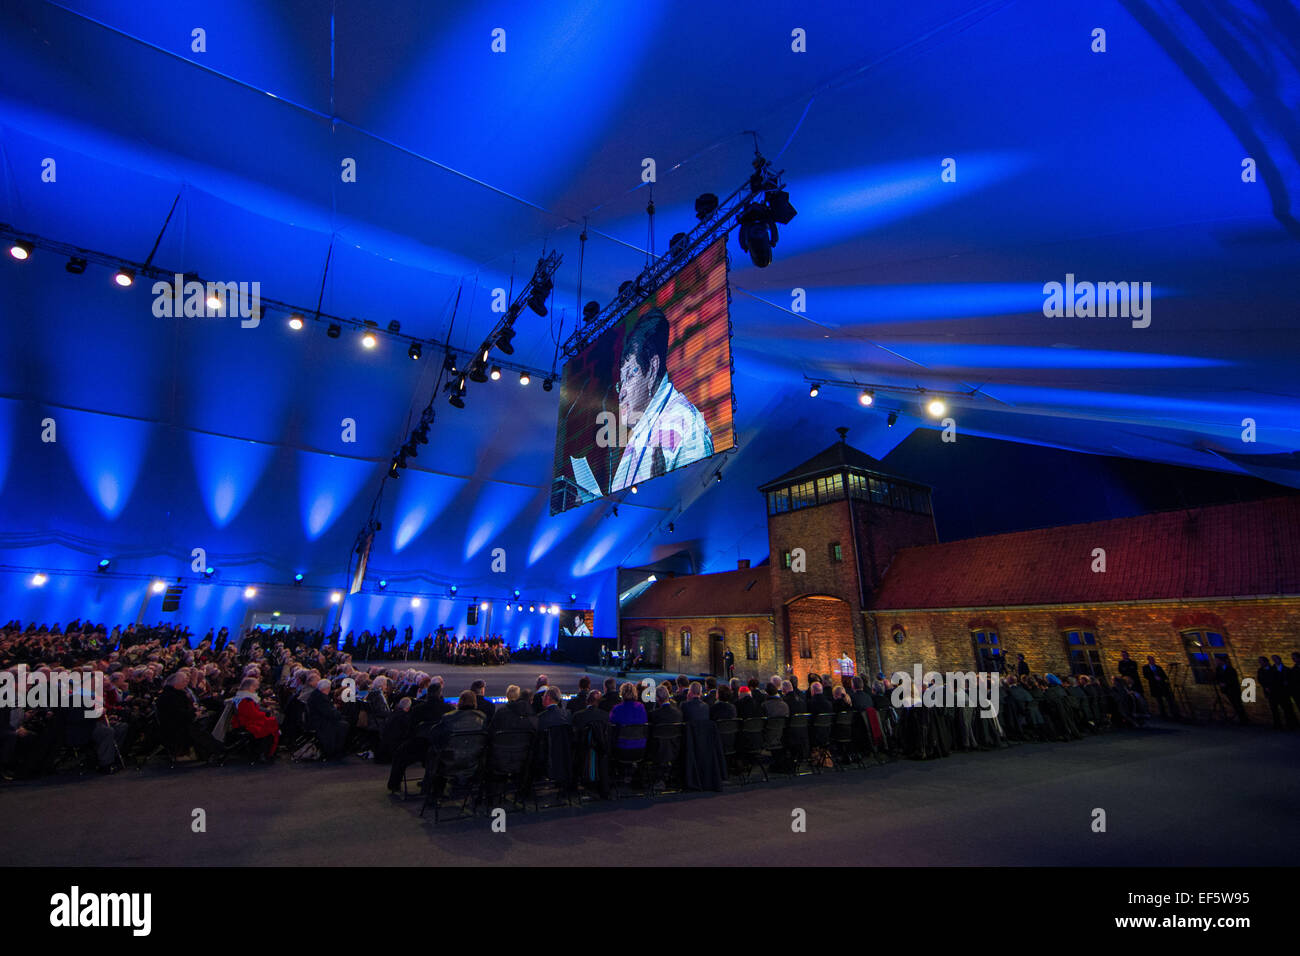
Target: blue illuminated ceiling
(175, 433)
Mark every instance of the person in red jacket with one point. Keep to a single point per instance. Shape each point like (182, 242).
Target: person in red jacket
(249, 716)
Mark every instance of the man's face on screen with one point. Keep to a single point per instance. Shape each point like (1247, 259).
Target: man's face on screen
(635, 386)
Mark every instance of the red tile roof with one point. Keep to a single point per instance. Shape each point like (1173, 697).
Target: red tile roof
(1251, 548)
(747, 591)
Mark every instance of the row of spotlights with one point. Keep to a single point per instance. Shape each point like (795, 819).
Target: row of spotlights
(867, 398)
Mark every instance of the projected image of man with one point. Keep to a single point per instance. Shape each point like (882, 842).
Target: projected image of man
(667, 431)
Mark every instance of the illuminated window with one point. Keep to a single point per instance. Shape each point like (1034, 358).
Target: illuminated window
(778, 501)
(1204, 651)
(879, 491)
(803, 495)
(1085, 655)
(830, 488)
(785, 559)
(751, 646)
(837, 553)
(988, 651)
(805, 642)
(686, 643)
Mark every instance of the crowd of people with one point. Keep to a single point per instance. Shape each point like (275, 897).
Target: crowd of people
(268, 691)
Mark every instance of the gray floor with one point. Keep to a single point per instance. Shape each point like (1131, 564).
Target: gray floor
(1177, 796)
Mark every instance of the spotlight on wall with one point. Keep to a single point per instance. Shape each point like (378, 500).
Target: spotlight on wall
(453, 589)
(483, 605)
(705, 205)
(524, 378)
(368, 339)
(297, 578)
(76, 265)
(532, 607)
(296, 322)
(414, 351)
(214, 301)
(717, 475)
(415, 602)
(496, 373)
(20, 250)
(334, 331)
(124, 278)
(936, 407)
(519, 607)
(892, 420)
(382, 584)
(573, 598)
(39, 579)
(866, 398)
(158, 587)
(515, 593)
(250, 592)
(547, 384)
(336, 596)
(208, 572)
(634, 489)
(103, 564)
(814, 390)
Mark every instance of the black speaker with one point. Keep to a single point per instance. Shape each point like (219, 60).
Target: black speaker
(172, 599)
(471, 614)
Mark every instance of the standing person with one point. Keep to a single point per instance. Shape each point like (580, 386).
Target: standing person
(1275, 692)
(1225, 675)
(1161, 690)
(1129, 668)
(1282, 681)
(729, 663)
(1022, 665)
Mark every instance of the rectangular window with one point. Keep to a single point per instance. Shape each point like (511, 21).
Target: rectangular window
(751, 646)
(830, 488)
(778, 501)
(785, 560)
(1085, 658)
(805, 643)
(988, 652)
(1205, 649)
(802, 495)
(857, 486)
(879, 491)
(686, 643)
(837, 553)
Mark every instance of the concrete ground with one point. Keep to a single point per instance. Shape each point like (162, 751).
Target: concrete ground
(1214, 796)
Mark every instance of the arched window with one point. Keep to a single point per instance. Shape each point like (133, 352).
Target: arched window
(686, 642)
(751, 646)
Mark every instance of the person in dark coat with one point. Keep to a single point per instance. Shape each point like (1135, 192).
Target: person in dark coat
(178, 721)
(746, 706)
(665, 712)
(1229, 681)
(1129, 668)
(324, 720)
(1161, 689)
(724, 709)
(579, 700)
(694, 707)
(817, 703)
(397, 731)
(515, 714)
(485, 706)
(1272, 678)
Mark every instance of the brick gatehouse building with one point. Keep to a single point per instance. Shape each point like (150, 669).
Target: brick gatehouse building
(855, 568)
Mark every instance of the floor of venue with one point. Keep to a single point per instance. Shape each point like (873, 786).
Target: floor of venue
(1173, 795)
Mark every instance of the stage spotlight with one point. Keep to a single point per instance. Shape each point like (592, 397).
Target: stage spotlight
(625, 288)
(414, 351)
(532, 607)
(866, 398)
(671, 529)
(778, 201)
(758, 235)
(634, 489)
(537, 299)
(421, 434)
(547, 384)
(297, 578)
(415, 602)
(892, 419)
(677, 243)
(590, 311)
(250, 592)
(334, 331)
(158, 587)
(21, 250)
(124, 278)
(39, 579)
(453, 589)
(208, 572)
(76, 265)
(519, 607)
(524, 378)
(478, 371)
(496, 373)
(506, 340)
(336, 596)
(572, 598)
(516, 592)
(369, 340)
(103, 564)
(394, 326)
(705, 205)
(410, 449)
(936, 407)
(296, 322)
(394, 468)
(483, 606)
(449, 362)
(214, 301)
(382, 584)
(717, 475)
(814, 390)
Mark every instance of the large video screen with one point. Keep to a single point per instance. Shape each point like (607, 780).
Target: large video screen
(577, 622)
(653, 393)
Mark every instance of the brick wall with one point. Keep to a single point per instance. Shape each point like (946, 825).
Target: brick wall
(733, 630)
(829, 623)
(941, 640)
(881, 531)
